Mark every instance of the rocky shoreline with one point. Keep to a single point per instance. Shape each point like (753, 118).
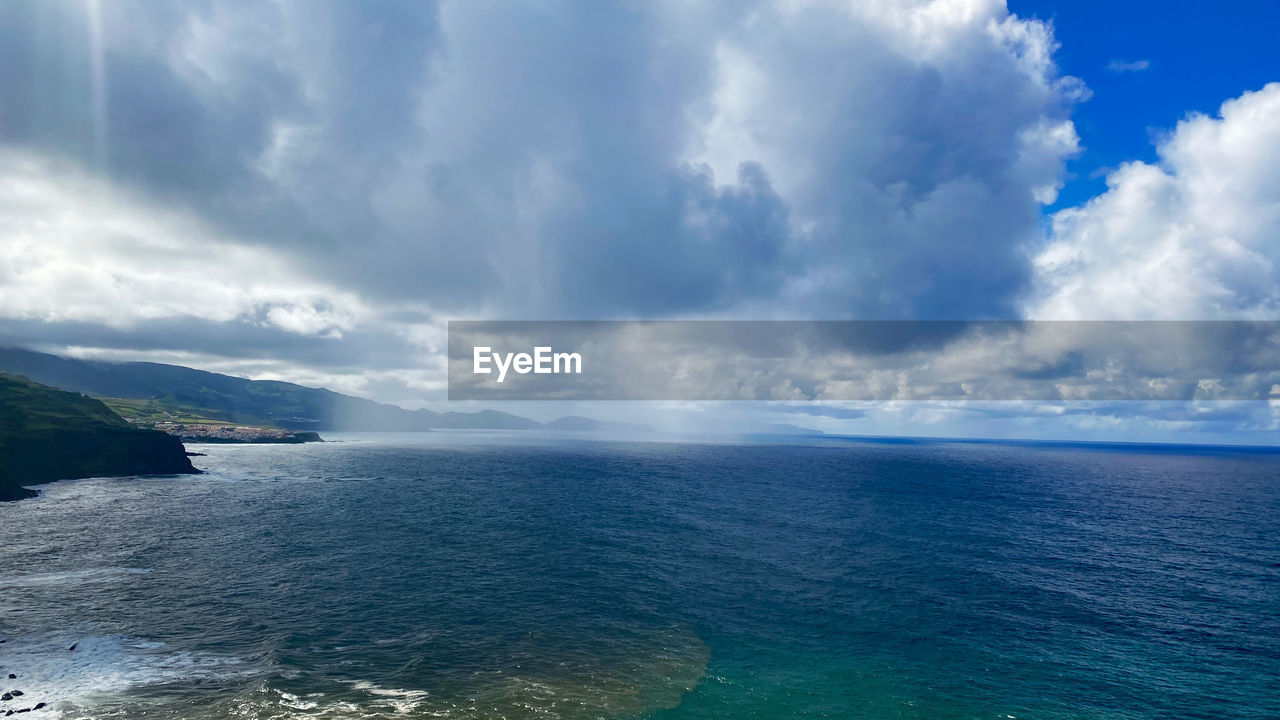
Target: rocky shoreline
(44, 457)
(47, 434)
(15, 696)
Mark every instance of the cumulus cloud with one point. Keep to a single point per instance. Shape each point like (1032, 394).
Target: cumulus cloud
(91, 268)
(304, 189)
(645, 160)
(77, 250)
(913, 143)
(1192, 236)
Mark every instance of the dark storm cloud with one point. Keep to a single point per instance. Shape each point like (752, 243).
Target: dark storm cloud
(160, 130)
(543, 160)
(392, 164)
(558, 160)
(918, 194)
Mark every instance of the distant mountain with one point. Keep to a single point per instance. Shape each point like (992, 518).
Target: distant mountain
(156, 392)
(483, 419)
(579, 423)
(785, 429)
(48, 434)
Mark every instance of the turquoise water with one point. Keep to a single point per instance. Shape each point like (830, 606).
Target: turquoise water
(455, 575)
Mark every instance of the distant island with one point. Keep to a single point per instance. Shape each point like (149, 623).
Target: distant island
(580, 424)
(48, 434)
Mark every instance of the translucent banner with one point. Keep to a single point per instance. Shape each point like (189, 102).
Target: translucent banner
(864, 360)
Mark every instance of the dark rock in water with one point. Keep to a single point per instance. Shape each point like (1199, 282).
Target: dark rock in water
(74, 645)
(38, 706)
(191, 454)
(12, 676)
(16, 693)
(6, 697)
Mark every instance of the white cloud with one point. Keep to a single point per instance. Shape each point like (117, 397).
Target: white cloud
(307, 171)
(1194, 236)
(913, 143)
(78, 250)
(897, 151)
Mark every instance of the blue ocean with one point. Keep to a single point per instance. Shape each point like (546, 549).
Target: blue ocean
(492, 575)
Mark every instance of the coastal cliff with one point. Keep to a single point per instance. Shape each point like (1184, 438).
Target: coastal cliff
(48, 434)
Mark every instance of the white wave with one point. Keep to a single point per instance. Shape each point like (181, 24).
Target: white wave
(50, 671)
(70, 577)
(295, 702)
(403, 701)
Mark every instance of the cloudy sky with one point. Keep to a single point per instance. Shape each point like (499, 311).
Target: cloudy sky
(307, 191)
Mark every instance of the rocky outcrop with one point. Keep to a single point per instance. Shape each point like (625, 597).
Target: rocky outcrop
(47, 434)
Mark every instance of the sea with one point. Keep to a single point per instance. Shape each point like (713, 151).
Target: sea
(522, 575)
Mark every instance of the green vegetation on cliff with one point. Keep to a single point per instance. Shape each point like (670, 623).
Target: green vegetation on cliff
(48, 434)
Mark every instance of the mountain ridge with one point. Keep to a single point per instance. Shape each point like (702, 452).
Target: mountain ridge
(175, 389)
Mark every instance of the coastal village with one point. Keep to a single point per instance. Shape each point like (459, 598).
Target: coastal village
(218, 433)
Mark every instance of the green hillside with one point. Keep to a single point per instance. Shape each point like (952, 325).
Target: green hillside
(152, 393)
(48, 434)
(156, 392)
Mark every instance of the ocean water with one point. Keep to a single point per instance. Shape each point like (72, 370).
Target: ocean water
(474, 575)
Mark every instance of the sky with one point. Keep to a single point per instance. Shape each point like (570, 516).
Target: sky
(308, 191)
(1148, 65)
